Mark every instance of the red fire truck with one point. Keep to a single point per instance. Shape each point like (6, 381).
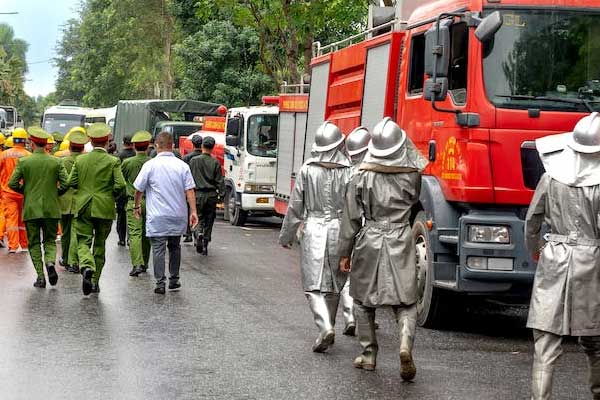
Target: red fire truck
(473, 83)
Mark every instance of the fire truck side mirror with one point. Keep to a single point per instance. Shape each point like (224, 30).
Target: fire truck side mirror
(489, 26)
(232, 137)
(437, 49)
(437, 90)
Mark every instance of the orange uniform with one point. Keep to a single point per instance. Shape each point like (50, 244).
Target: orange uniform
(12, 201)
(2, 222)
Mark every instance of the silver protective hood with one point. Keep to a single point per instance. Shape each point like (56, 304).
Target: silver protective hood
(335, 158)
(407, 158)
(566, 165)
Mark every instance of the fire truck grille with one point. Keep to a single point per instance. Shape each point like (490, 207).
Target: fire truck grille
(532, 166)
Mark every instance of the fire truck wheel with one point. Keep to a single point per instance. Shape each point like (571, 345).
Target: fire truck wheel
(233, 211)
(429, 303)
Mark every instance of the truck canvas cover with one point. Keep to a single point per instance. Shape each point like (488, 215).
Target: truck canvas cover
(136, 115)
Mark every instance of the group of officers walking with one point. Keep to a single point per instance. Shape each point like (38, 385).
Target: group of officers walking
(350, 211)
(72, 189)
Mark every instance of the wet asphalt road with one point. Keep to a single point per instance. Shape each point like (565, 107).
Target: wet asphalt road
(239, 329)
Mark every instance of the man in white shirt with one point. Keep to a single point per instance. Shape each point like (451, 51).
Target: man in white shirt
(167, 182)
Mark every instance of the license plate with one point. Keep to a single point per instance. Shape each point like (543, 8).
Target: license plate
(262, 200)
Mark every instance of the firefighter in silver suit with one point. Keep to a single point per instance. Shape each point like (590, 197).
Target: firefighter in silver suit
(565, 299)
(315, 206)
(357, 143)
(376, 232)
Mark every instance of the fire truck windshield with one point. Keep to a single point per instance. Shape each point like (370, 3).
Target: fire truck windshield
(262, 135)
(545, 59)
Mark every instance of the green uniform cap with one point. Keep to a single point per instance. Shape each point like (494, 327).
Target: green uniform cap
(78, 137)
(59, 137)
(141, 137)
(98, 130)
(35, 132)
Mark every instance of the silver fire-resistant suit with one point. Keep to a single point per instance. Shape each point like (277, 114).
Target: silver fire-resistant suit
(315, 206)
(376, 232)
(566, 293)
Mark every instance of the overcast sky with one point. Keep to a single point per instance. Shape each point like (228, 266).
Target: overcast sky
(39, 23)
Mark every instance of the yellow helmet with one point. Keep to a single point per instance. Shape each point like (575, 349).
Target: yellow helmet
(2, 138)
(64, 145)
(19, 133)
(9, 142)
(50, 140)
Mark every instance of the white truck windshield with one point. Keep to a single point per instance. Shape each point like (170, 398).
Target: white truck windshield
(62, 122)
(262, 135)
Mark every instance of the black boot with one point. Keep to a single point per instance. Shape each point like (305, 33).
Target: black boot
(73, 268)
(40, 283)
(86, 285)
(205, 247)
(199, 245)
(52, 275)
(95, 288)
(136, 270)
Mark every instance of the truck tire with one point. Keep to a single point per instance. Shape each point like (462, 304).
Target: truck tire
(237, 216)
(226, 197)
(430, 309)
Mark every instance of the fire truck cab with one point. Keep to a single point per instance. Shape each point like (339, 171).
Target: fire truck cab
(473, 83)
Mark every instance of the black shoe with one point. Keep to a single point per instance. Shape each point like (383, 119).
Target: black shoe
(61, 262)
(205, 251)
(95, 288)
(199, 245)
(86, 285)
(73, 268)
(136, 270)
(40, 283)
(144, 268)
(187, 239)
(52, 275)
(160, 290)
(174, 285)
(121, 243)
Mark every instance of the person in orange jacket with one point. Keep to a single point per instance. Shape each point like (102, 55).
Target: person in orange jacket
(2, 222)
(13, 201)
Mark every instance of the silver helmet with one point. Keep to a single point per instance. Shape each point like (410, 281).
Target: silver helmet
(586, 135)
(387, 138)
(358, 141)
(328, 137)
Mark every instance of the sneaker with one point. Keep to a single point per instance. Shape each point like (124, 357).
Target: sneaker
(174, 285)
(160, 290)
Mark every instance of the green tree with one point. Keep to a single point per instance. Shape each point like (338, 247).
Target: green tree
(220, 64)
(13, 65)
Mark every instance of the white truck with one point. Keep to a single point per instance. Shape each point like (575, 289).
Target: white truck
(251, 161)
(62, 118)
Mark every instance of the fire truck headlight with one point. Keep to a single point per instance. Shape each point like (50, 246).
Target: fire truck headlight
(489, 234)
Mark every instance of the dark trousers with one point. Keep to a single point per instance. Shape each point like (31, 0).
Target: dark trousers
(65, 240)
(159, 251)
(91, 241)
(206, 203)
(121, 203)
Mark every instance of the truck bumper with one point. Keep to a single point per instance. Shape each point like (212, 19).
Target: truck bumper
(510, 269)
(264, 202)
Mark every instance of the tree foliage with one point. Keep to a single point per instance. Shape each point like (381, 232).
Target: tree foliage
(227, 51)
(220, 63)
(13, 66)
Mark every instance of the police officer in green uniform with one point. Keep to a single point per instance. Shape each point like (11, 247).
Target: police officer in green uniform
(97, 177)
(40, 177)
(208, 176)
(77, 142)
(139, 244)
(58, 139)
